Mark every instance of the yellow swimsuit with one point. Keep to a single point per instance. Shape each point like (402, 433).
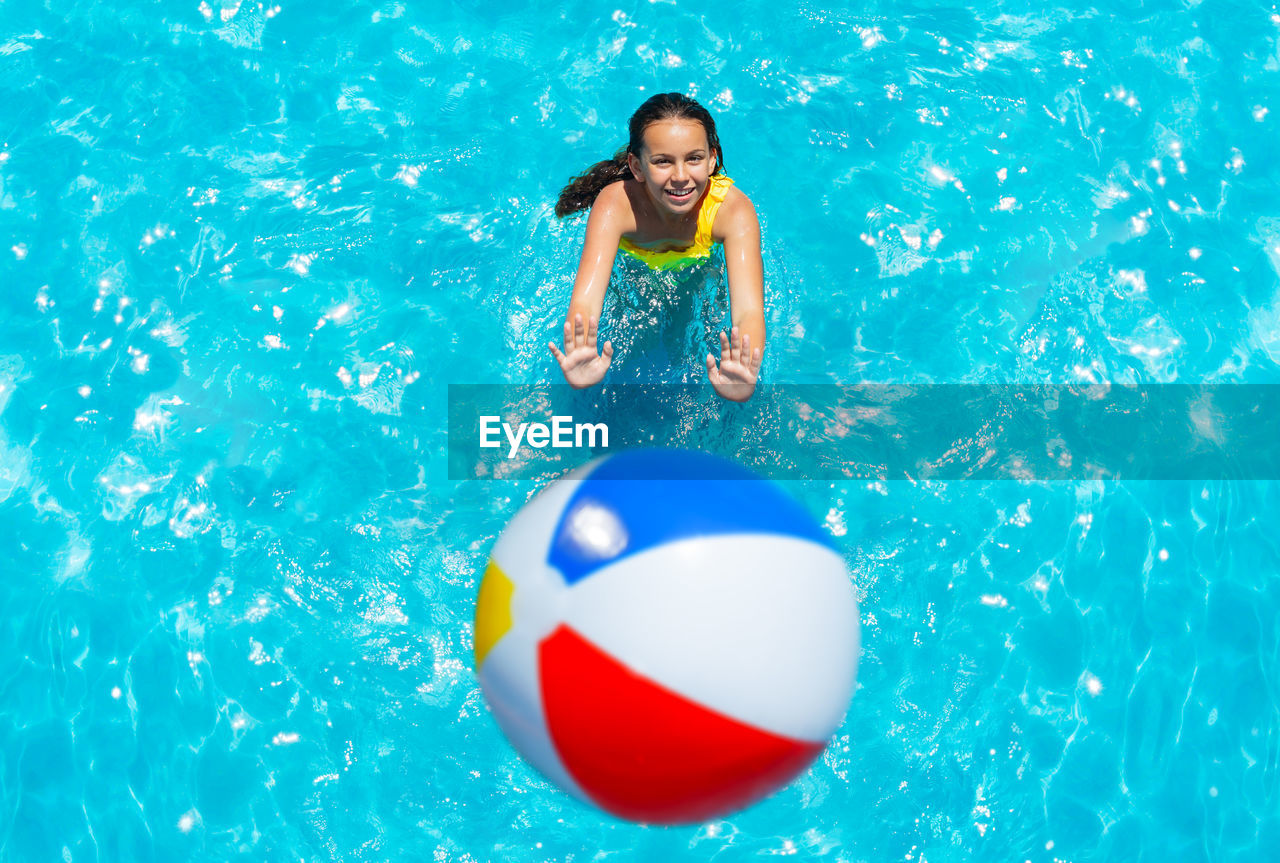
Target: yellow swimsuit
(700, 251)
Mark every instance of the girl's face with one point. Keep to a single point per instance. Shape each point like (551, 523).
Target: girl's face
(674, 164)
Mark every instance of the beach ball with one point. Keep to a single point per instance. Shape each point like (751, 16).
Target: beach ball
(666, 635)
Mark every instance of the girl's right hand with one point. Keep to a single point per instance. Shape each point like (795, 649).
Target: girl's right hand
(582, 366)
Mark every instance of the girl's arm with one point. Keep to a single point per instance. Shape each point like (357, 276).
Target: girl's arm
(604, 231)
(742, 351)
(746, 270)
(579, 361)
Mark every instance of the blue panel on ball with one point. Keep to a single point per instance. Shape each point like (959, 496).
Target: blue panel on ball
(637, 500)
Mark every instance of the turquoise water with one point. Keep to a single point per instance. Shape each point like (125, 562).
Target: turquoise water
(245, 249)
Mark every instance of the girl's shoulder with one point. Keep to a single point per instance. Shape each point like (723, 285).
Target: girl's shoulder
(616, 196)
(736, 199)
(735, 215)
(613, 210)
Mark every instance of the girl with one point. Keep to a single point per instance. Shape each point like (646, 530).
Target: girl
(664, 200)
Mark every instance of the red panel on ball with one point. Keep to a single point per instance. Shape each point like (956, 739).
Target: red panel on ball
(647, 754)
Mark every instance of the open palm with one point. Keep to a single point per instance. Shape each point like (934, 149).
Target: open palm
(582, 365)
(735, 378)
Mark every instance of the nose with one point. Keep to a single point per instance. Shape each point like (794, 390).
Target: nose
(681, 173)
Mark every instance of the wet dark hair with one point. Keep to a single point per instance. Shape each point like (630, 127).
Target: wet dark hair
(583, 190)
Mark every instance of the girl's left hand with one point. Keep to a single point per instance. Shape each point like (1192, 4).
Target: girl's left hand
(735, 379)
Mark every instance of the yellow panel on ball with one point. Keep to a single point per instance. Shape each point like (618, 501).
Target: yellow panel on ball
(493, 610)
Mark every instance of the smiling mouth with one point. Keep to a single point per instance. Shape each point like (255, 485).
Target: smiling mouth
(681, 196)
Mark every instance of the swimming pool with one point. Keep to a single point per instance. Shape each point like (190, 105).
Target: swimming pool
(247, 247)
